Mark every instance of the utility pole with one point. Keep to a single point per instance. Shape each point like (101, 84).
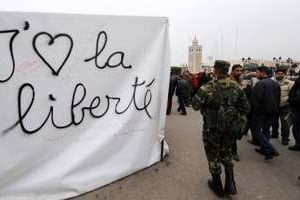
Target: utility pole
(235, 43)
(222, 55)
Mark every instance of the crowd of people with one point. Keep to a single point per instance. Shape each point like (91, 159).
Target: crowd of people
(237, 102)
(273, 99)
(185, 86)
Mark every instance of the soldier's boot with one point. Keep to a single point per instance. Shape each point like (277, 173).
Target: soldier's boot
(215, 184)
(230, 187)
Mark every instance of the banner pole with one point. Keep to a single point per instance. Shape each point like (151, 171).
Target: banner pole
(162, 150)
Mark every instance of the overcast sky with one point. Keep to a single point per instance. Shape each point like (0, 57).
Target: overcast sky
(229, 29)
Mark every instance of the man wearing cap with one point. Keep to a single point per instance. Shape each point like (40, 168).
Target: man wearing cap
(217, 143)
(284, 113)
(264, 100)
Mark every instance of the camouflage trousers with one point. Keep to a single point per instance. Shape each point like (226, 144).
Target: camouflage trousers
(218, 149)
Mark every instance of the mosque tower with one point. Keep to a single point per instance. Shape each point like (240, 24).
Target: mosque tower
(195, 57)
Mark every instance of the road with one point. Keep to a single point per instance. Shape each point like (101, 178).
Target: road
(183, 174)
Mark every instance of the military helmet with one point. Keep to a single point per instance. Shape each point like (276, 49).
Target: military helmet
(222, 66)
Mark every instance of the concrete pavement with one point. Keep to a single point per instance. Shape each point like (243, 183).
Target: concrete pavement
(183, 174)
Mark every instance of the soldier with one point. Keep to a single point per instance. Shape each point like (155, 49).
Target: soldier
(236, 72)
(218, 142)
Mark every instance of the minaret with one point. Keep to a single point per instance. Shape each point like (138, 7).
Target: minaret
(195, 57)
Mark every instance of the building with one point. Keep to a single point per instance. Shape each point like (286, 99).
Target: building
(195, 57)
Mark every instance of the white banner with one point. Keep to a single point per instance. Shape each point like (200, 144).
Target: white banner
(83, 101)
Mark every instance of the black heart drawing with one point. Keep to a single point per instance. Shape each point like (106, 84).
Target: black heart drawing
(51, 41)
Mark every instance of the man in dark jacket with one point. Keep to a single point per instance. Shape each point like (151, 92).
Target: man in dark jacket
(182, 90)
(294, 101)
(172, 87)
(265, 101)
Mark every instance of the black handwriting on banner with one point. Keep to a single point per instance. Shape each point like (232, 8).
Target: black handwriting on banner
(94, 109)
(51, 42)
(77, 100)
(114, 60)
(11, 51)
(110, 58)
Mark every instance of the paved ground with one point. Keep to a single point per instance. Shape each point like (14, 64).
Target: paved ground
(183, 175)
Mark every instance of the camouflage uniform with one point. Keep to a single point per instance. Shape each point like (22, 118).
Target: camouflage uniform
(218, 144)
